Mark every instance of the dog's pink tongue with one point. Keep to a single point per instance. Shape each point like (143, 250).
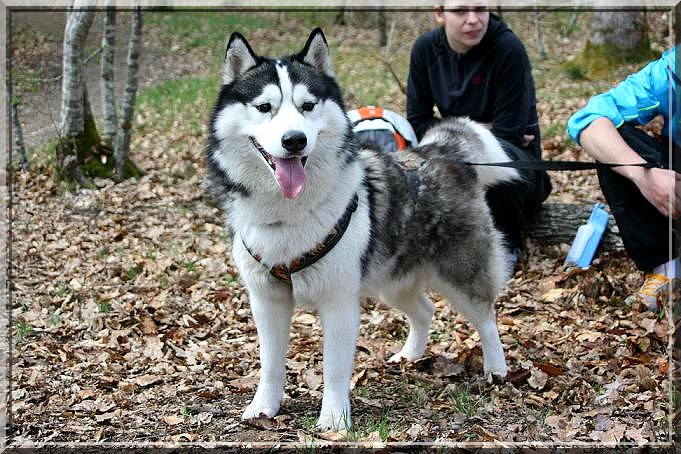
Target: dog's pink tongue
(290, 176)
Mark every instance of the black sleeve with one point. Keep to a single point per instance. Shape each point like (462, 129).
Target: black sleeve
(419, 95)
(513, 93)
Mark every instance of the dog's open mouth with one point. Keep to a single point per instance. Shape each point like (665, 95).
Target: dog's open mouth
(289, 172)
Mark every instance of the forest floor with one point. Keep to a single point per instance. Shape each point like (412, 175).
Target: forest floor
(130, 323)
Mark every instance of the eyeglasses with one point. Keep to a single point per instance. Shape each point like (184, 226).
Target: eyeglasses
(466, 10)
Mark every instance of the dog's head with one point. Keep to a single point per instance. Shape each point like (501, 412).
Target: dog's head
(281, 112)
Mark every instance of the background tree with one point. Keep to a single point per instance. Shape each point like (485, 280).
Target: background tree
(615, 37)
(538, 16)
(81, 153)
(107, 81)
(18, 134)
(77, 131)
(122, 145)
(382, 32)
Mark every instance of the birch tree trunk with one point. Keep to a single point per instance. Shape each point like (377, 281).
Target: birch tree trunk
(77, 136)
(537, 28)
(125, 130)
(382, 32)
(19, 136)
(77, 27)
(81, 155)
(107, 82)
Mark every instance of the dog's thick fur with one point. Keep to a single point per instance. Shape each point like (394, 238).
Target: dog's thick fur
(429, 228)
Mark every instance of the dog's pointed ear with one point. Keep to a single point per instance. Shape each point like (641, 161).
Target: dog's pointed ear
(239, 58)
(316, 52)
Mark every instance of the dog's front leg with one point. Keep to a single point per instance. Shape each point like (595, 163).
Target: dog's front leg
(340, 322)
(273, 321)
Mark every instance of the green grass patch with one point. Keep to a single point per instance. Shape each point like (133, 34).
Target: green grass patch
(132, 273)
(54, 319)
(183, 102)
(203, 28)
(463, 401)
(62, 289)
(23, 331)
(42, 156)
(104, 307)
(554, 129)
(574, 71)
(367, 425)
(365, 80)
(190, 265)
(419, 394)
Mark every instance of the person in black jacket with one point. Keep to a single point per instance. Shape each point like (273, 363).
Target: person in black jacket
(473, 65)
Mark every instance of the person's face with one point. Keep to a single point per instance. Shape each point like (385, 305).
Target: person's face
(465, 22)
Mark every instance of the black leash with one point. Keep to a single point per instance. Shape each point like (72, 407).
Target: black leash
(562, 165)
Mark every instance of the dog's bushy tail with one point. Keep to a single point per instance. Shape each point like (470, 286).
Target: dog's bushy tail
(467, 141)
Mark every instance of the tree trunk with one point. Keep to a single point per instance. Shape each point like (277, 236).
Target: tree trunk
(77, 134)
(19, 136)
(557, 223)
(616, 36)
(80, 154)
(624, 30)
(537, 28)
(340, 17)
(107, 85)
(72, 120)
(382, 34)
(122, 146)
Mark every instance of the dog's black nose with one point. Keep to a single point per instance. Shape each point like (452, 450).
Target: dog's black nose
(294, 140)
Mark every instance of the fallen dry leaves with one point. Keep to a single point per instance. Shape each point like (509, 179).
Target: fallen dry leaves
(155, 341)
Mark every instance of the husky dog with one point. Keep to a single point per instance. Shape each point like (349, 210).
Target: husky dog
(317, 221)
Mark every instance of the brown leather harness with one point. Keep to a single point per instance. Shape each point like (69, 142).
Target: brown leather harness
(283, 272)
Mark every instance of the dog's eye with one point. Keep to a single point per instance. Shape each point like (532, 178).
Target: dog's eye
(308, 106)
(264, 108)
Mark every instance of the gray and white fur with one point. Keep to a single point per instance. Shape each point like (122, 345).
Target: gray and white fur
(283, 161)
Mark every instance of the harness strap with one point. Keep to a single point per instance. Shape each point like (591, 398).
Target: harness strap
(283, 272)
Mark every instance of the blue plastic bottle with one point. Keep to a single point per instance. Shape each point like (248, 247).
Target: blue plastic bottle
(587, 239)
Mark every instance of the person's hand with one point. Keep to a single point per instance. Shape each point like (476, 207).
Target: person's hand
(657, 185)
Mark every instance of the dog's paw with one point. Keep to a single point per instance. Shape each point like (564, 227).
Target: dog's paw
(495, 372)
(333, 422)
(403, 355)
(256, 410)
(396, 358)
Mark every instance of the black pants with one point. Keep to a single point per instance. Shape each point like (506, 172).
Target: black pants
(512, 204)
(644, 230)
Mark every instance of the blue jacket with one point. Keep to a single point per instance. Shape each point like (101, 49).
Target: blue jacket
(639, 98)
